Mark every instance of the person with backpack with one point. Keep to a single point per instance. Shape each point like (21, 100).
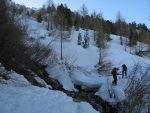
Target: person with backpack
(114, 72)
(124, 70)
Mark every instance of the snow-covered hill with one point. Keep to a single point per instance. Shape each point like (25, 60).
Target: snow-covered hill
(22, 97)
(84, 61)
(18, 96)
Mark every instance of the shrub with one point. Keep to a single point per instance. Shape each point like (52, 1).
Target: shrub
(138, 93)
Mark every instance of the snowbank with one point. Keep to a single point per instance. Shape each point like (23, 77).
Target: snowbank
(84, 79)
(18, 96)
(60, 73)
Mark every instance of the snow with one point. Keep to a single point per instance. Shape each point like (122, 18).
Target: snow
(38, 100)
(17, 80)
(18, 96)
(84, 61)
(42, 82)
(60, 73)
(119, 56)
(117, 91)
(85, 79)
(81, 57)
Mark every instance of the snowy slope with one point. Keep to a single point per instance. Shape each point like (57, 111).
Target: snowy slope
(19, 96)
(84, 60)
(81, 57)
(118, 56)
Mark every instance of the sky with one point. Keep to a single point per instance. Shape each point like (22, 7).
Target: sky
(131, 10)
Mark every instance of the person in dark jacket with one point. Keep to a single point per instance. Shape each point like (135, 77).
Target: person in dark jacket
(114, 72)
(124, 70)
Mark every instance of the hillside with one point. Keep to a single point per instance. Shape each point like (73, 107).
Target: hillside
(40, 81)
(83, 62)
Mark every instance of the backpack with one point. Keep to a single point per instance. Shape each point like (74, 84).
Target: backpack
(124, 67)
(114, 71)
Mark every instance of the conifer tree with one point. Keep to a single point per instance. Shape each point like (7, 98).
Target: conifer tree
(84, 13)
(84, 10)
(100, 38)
(86, 39)
(133, 38)
(94, 15)
(77, 21)
(39, 17)
(119, 26)
(79, 39)
(50, 14)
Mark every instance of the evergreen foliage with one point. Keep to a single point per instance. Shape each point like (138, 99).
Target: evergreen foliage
(133, 38)
(86, 40)
(79, 39)
(39, 17)
(62, 15)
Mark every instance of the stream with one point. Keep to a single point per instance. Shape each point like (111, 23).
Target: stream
(88, 96)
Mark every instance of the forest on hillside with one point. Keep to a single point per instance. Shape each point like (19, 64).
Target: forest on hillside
(66, 58)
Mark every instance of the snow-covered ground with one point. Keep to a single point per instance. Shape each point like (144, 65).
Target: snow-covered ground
(84, 61)
(17, 95)
(119, 56)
